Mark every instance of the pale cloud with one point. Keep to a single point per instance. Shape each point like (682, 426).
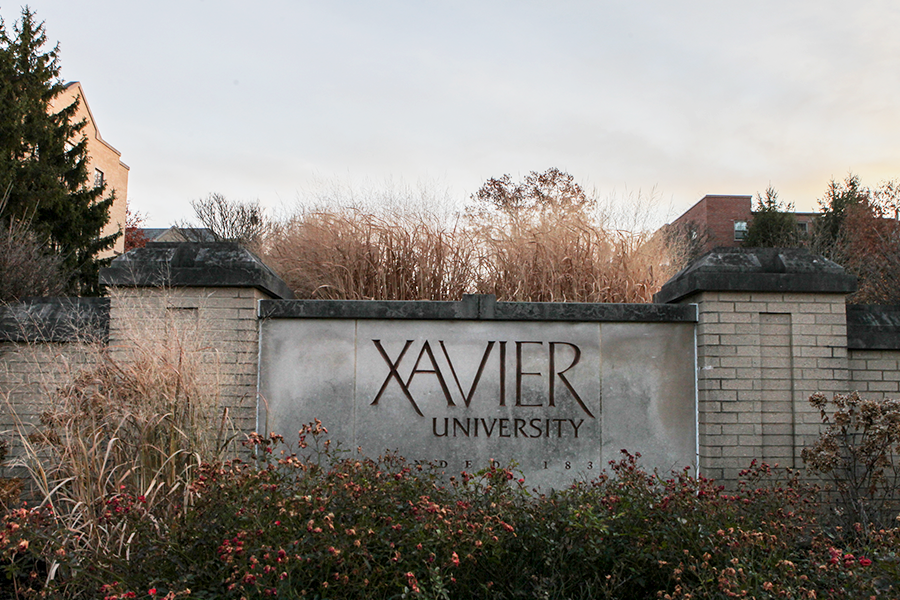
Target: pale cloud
(255, 100)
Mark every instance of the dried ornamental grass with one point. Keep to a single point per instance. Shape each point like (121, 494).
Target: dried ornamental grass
(570, 261)
(354, 255)
(136, 423)
(557, 256)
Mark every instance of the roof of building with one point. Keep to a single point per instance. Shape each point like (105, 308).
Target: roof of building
(178, 234)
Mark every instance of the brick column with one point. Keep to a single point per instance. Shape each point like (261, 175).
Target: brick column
(205, 292)
(771, 331)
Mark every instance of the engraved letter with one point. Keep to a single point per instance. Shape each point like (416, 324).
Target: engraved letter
(519, 426)
(575, 427)
(502, 373)
(488, 431)
(395, 375)
(458, 424)
(519, 373)
(467, 398)
(561, 374)
(426, 349)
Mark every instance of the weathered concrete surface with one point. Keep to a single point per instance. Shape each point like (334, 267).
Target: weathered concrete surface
(483, 307)
(873, 327)
(648, 393)
(55, 320)
(559, 398)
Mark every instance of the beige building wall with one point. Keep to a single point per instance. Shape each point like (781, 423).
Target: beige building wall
(102, 158)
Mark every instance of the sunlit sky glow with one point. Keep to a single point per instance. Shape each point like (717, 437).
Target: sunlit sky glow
(268, 100)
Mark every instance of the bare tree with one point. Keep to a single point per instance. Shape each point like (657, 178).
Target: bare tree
(540, 195)
(685, 242)
(231, 220)
(27, 266)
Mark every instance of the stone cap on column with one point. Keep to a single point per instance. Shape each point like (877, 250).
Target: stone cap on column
(758, 270)
(194, 264)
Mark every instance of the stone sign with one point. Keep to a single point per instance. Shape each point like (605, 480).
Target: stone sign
(558, 398)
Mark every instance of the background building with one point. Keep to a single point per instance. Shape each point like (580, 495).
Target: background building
(725, 220)
(104, 164)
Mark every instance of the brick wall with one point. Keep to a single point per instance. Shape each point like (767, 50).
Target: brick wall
(759, 357)
(209, 332)
(29, 375)
(217, 325)
(875, 373)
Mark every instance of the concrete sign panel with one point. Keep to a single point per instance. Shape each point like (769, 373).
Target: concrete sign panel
(560, 399)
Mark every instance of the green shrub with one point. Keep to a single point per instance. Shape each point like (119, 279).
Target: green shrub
(327, 523)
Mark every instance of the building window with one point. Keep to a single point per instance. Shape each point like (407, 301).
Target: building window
(98, 178)
(740, 230)
(803, 228)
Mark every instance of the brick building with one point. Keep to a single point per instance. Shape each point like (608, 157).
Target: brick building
(725, 220)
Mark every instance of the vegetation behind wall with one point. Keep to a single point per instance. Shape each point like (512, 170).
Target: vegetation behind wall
(541, 239)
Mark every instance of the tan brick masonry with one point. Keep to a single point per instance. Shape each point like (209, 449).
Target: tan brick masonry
(759, 357)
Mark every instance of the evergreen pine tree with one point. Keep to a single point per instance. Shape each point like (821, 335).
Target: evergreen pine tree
(831, 237)
(43, 157)
(774, 224)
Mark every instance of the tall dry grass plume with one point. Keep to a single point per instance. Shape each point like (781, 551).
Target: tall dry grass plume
(136, 422)
(543, 239)
(573, 263)
(567, 255)
(353, 254)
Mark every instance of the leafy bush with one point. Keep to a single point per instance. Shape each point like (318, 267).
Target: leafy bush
(323, 522)
(327, 523)
(859, 451)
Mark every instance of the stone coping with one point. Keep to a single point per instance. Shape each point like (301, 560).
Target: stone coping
(55, 320)
(758, 270)
(477, 307)
(873, 327)
(193, 264)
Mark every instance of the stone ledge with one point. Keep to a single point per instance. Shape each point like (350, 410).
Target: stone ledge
(193, 264)
(758, 270)
(873, 327)
(477, 307)
(55, 320)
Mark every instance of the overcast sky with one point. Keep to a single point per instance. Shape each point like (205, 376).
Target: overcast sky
(269, 99)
